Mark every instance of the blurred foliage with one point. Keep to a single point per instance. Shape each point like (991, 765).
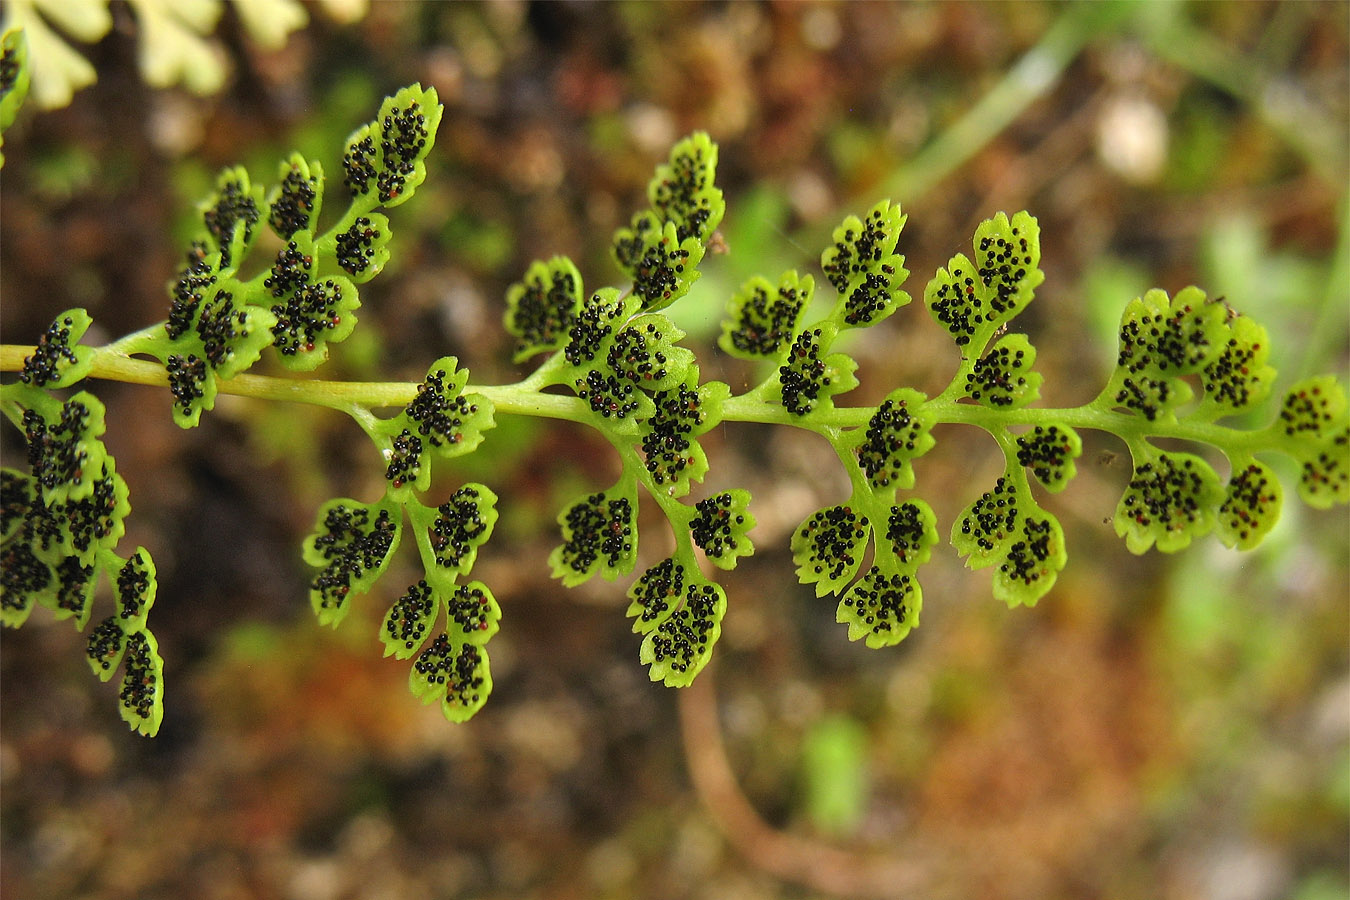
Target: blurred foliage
(1155, 728)
(834, 775)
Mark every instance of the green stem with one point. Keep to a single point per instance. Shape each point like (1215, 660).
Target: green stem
(1017, 473)
(677, 513)
(421, 518)
(114, 365)
(1093, 416)
(137, 341)
(1331, 317)
(369, 423)
(356, 398)
(1029, 79)
(1289, 115)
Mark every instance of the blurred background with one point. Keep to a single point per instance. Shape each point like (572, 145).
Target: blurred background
(1158, 727)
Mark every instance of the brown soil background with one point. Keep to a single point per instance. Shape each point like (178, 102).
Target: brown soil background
(1156, 727)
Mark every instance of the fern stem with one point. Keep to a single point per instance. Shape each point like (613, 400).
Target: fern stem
(745, 408)
(1294, 118)
(1319, 345)
(1031, 78)
(112, 365)
(522, 399)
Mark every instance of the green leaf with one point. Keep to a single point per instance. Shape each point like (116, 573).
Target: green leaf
(828, 548)
(1238, 377)
(462, 525)
(309, 312)
(450, 421)
(455, 674)
(430, 675)
(18, 494)
(14, 77)
(683, 192)
(662, 265)
(619, 403)
(957, 302)
(359, 161)
(408, 622)
(678, 648)
(599, 533)
(1251, 506)
(882, 607)
(859, 247)
(629, 245)
(351, 544)
(142, 696)
(64, 449)
(452, 670)
(1049, 451)
(135, 585)
(232, 334)
(57, 362)
(1313, 407)
(1032, 561)
(984, 530)
(1170, 500)
(293, 268)
(671, 451)
(541, 307)
(1314, 418)
(294, 204)
(230, 216)
(470, 685)
(441, 419)
(971, 300)
(655, 595)
(809, 376)
(1153, 398)
(761, 319)
(1002, 378)
(1325, 477)
(644, 352)
(1164, 337)
(719, 527)
(189, 289)
(865, 269)
(1004, 527)
(662, 247)
(591, 332)
(96, 522)
(103, 651)
(896, 434)
(405, 468)
(44, 531)
(312, 317)
(358, 247)
(473, 612)
(213, 332)
(25, 579)
(911, 531)
(193, 386)
(407, 130)
(384, 160)
(1008, 257)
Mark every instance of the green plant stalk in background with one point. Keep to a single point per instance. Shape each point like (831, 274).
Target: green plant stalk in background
(613, 361)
